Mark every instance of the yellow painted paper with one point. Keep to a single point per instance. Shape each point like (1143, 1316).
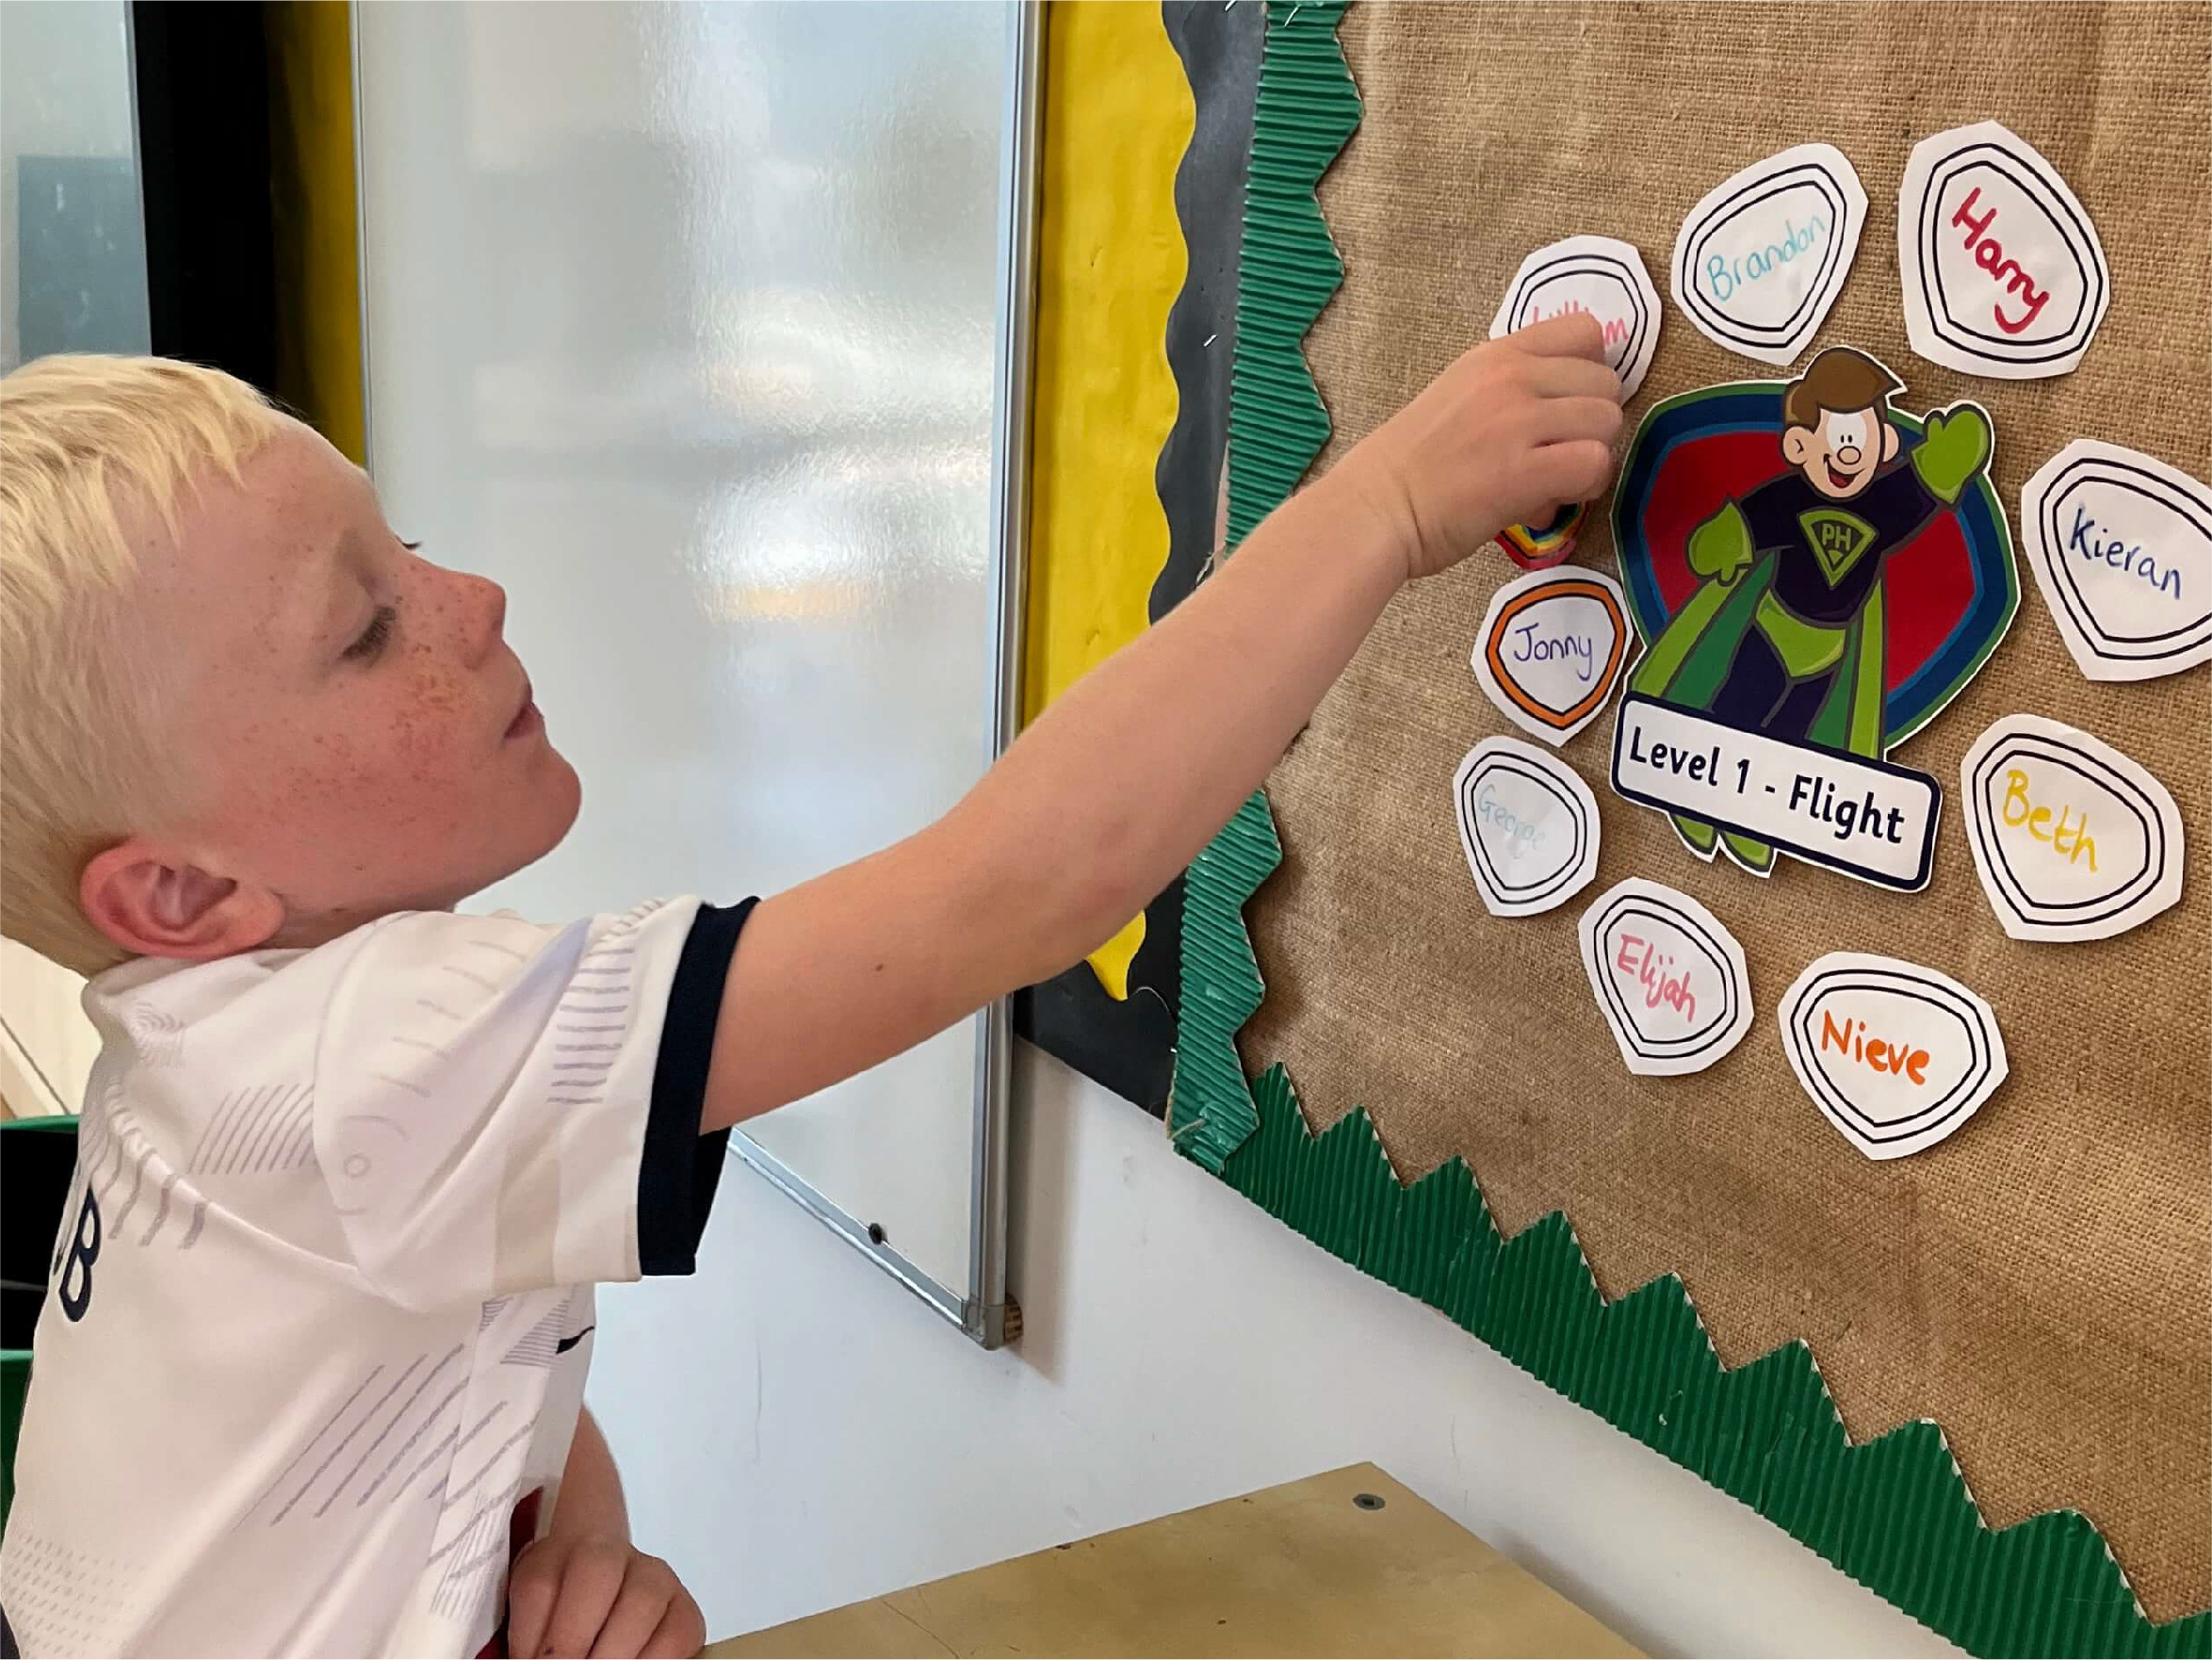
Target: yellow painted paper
(1110, 260)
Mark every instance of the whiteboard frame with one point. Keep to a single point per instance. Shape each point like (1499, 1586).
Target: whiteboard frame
(982, 1308)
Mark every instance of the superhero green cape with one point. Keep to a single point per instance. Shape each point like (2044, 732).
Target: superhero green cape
(1690, 659)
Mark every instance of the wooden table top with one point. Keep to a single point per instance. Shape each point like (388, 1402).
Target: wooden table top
(1348, 1563)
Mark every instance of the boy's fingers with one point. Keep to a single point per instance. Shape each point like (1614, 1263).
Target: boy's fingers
(529, 1600)
(1572, 471)
(589, 1584)
(679, 1635)
(631, 1623)
(1558, 419)
(1572, 377)
(1576, 335)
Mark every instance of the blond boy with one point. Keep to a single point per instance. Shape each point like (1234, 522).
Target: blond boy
(310, 1374)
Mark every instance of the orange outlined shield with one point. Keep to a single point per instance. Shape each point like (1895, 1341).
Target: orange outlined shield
(1560, 587)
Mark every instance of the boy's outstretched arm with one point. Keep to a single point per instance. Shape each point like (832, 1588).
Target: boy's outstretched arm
(1122, 781)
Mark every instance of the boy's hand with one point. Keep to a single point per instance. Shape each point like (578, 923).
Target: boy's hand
(590, 1594)
(1507, 435)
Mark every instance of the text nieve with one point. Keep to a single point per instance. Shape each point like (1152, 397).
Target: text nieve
(1883, 1055)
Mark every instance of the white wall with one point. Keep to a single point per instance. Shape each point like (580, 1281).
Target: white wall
(47, 1046)
(1182, 1346)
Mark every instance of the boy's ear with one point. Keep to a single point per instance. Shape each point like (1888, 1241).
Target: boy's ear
(1888, 439)
(1796, 444)
(155, 905)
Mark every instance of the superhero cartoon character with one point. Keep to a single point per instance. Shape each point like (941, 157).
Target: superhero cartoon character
(1785, 632)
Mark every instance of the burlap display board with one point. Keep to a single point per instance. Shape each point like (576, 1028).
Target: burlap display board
(2041, 1284)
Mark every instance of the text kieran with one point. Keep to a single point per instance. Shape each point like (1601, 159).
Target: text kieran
(2117, 551)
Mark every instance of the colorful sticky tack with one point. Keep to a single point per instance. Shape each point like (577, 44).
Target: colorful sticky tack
(1538, 548)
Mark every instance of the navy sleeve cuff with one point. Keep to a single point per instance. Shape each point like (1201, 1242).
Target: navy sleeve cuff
(681, 1168)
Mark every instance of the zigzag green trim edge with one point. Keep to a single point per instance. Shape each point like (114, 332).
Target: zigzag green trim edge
(1893, 1513)
(1286, 270)
(1287, 267)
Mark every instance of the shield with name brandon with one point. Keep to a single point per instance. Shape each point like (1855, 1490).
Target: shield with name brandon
(1949, 592)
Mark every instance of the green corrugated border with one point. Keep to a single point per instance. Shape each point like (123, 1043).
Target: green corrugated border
(1895, 1513)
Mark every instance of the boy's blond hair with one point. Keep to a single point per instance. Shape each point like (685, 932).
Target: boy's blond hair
(85, 441)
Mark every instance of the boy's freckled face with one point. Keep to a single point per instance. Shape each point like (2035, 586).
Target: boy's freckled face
(353, 729)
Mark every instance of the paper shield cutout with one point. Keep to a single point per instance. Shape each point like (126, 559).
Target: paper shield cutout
(1669, 978)
(1762, 258)
(1528, 825)
(1797, 628)
(1551, 650)
(1894, 1055)
(1538, 548)
(2002, 270)
(2072, 839)
(1597, 274)
(2120, 543)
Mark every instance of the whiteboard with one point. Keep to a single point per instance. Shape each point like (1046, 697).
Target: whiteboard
(687, 323)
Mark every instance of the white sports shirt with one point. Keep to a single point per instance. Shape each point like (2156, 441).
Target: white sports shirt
(321, 1305)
